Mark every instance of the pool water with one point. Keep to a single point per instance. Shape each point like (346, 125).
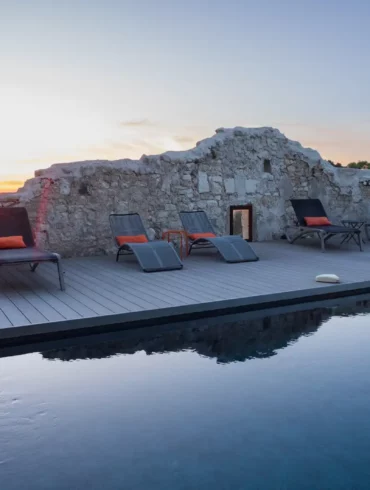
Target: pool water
(269, 403)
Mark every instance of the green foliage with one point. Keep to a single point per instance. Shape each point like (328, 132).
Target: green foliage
(363, 164)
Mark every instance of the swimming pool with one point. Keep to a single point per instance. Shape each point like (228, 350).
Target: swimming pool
(279, 402)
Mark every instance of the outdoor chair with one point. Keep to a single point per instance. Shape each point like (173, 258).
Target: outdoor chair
(131, 238)
(201, 234)
(313, 220)
(17, 244)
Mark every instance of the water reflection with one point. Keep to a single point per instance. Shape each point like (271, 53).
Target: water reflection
(296, 420)
(225, 341)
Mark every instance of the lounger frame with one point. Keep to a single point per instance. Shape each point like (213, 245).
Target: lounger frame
(126, 249)
(324, 233)
(15, 221)
(137, 248)
(221, 243)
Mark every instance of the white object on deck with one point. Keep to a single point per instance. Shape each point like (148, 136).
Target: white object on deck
(331, 278)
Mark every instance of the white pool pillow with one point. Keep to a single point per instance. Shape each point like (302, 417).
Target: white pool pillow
(331, 278)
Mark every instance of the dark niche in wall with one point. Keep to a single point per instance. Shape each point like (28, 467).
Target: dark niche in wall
(267, 166)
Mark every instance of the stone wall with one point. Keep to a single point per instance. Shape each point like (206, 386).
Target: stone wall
(69, 204)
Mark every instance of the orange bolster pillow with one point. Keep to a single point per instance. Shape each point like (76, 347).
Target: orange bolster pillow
(122, 240)
(12, 242)
(195, 236)
(318, 221)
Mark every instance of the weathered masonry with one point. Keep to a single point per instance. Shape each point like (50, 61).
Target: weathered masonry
(69, 203)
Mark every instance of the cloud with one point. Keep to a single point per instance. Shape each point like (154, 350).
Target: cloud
(136, 123)
(185, 139)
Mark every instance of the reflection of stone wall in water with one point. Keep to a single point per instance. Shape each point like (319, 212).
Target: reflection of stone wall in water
(226, 342)
(227, 169)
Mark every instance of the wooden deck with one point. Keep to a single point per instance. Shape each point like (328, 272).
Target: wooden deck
(102, 293)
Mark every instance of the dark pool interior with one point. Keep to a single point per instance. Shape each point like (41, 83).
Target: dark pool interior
(238, 402)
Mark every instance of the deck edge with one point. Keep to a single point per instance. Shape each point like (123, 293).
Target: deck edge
(124, 321)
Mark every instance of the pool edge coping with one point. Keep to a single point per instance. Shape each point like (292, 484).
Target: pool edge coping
(125, 321)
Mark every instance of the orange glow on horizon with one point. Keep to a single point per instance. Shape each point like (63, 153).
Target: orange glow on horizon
(10, 185)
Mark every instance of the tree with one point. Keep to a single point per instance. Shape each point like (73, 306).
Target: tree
(362, 164)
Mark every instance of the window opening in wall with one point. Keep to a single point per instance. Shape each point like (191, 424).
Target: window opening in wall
(267, 166)
(241, 221)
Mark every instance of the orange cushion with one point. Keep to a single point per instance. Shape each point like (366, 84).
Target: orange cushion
(195, 236)
(318, 221)
(122, 240)
(12, 242)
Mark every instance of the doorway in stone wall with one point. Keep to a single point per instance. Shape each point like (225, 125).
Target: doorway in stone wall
(241, 221)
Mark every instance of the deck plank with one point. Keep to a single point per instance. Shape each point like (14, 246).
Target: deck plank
(4, 320)
(159, 286)
(144, 283)
(9, 289)
(99, 287)
(14, 315)
(39, 297)
(122, 282)
(63, 303)
(121, 287)
(85, 296)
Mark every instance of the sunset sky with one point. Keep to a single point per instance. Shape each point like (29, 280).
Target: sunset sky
(89, 79)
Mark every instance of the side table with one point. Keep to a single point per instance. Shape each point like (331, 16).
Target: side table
(184, 242)
(354, 225)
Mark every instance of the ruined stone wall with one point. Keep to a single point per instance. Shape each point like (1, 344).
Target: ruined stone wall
(69, 204)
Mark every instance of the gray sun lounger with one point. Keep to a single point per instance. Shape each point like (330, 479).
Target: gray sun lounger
(15, 222)
(304, 208)
(232, 248)
(153, 256)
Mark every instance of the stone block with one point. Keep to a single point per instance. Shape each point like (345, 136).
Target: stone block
(170, 207)
(211, 203)
(65, 187)
(267, 176)
(216, 178)
(186, 192)
(229, 186)
(240, 185)
(203, 184)
(216, 187)
(251, 186)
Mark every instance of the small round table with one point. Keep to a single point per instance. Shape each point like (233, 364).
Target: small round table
(184, 242)
(355, 225)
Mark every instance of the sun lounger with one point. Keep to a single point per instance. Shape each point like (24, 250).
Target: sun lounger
(19, 245)
(201, 234)
(313, 220)
(131, 237)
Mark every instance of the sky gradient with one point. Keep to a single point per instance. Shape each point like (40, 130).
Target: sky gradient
(112, 79)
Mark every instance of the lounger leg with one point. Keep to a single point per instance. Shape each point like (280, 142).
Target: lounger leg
(34, 266)
(359, 236)
(322, 239)
(61, 274)
(291, 239)
(117, 256)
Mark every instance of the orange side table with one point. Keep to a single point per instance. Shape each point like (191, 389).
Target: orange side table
(184, 242)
